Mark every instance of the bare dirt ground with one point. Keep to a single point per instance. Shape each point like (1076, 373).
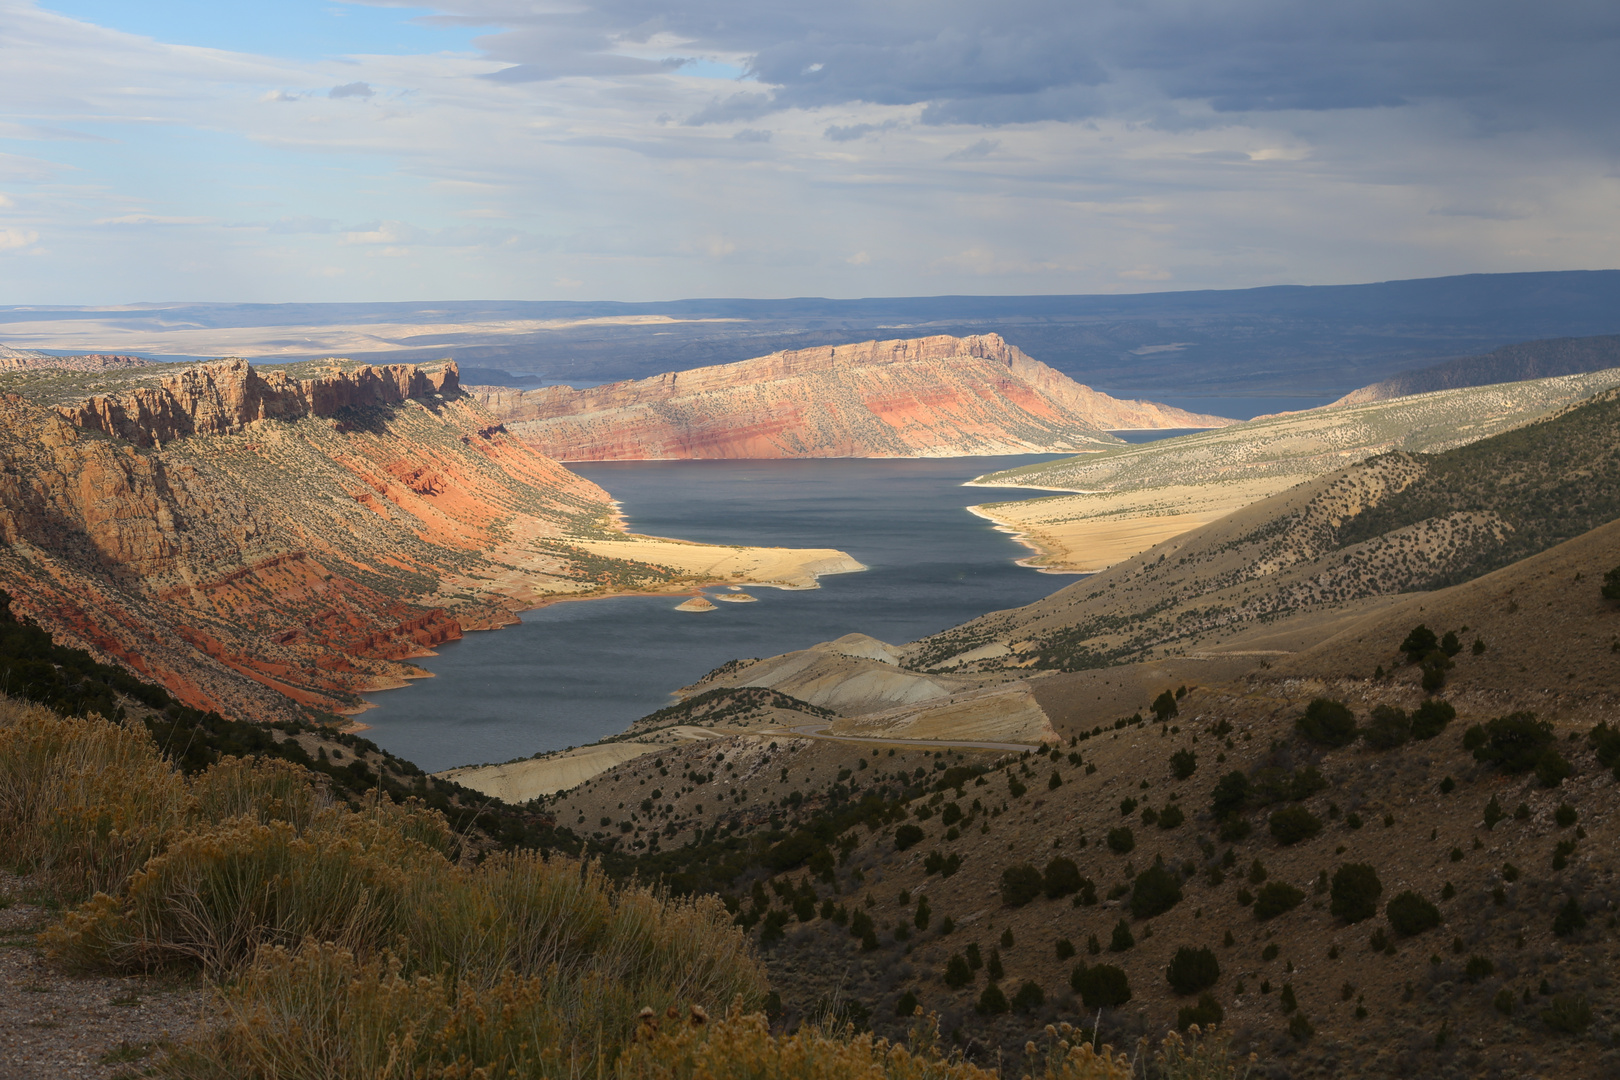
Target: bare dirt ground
(57, 1026)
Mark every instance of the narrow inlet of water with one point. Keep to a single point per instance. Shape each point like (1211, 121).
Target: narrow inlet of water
(575, 672)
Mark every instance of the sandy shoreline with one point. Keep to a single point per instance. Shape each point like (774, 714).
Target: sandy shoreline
(1087, 532)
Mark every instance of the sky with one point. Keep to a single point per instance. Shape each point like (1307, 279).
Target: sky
(308, 150)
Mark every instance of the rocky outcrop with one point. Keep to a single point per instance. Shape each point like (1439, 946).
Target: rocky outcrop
(224, 397)
(923, 397)
(28, 360)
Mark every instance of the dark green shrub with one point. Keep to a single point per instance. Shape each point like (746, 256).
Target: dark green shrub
(1565, 815)
(1275, 898)
(1103, 986)
(1006, 940)
(1493, 813)
(1121, 841)
(1192, 970)
(1569, 919)
(1164, 706)
(1257, 873)
(975, 959)
(1611, 585)
(1171, 817)
(1450, 644)
(1029, 997)
(1287, 1001)
(1207, 1012)
(1387, 727)
(1568, 1013)
(1478, 968)
(1234, 829)
(1430, 718)
(957, 972)
(906, 836)
(1410, 914)
(993, 968)
(1419, 643)
(1606, 741)
(1434, 671)
(1054, 782)
(1355, 892)
(1327, 723)
(1155, 891)
(1062, 877)
(924, 913)
(1552, 769)
(907, 1005)
(950, 814)
(1020, 884)
(1122, 938)
(1294, 824)
(1514, 743)
(1230, 794)
(992, 1002)
(1127, 806)
(1504, 1001)
(1064, 948)
(1183, 763)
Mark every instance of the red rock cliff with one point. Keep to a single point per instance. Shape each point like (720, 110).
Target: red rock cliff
(922, 397)
(223, 397)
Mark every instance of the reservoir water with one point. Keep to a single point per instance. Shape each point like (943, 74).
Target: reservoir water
(575, 672)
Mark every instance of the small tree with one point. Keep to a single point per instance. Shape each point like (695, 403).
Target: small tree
(1430, 718)
(992, 1002)
(1020, 884)
(1276, 898)
(1208, 1011)
(906, 836)
(1410, 914)
(1029, 997)
(1171, 816)
(957, 972)
(1355, 892)
(1164, 706)
(1514, 743)
(1121, 841)
(1101, 987)
(1611, 584)
(1155, 891)
(1183, 763)
(1450, 644)
(1122, 939)
(1294, 824)
(1062, 877)
(1230, 795)
(1328, 723)
(1192, 970)
(1419, 643)
(1569, 919)
(1387, 728)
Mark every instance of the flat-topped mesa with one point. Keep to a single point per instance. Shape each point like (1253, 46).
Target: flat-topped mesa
(225, 396)
(921, 397)
(29, 360)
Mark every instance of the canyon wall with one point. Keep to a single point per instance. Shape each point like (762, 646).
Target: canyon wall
(257, 542)
(935, 396)
(226, 396)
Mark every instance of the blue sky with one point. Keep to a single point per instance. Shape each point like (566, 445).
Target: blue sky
(626, 149)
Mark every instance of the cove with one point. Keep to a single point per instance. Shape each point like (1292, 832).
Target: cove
(572, 673)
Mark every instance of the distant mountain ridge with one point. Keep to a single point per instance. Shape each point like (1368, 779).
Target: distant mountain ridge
(937, 396)
(1511, 363)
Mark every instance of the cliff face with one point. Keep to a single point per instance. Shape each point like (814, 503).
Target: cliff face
(29, 360)
(924, 397)
(255, 541)
(223, 397)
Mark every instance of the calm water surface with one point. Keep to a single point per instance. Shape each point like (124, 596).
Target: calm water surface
(572, 673)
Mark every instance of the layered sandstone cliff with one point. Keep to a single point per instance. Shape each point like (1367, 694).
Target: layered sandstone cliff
(226, 396)
(257, 541)
(924, 397)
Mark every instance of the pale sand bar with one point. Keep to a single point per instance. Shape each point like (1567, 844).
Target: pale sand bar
(1086, 532)
(780, 568)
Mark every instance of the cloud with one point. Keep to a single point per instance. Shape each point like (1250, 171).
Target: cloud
(852, 132)
(151, 219)
(976, 152)
(753, 135)
(351, 90)
(16, 239)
